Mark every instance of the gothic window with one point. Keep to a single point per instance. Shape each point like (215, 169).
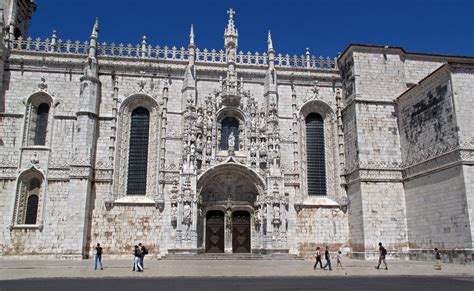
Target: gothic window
(316, 164)
(138, 152)
(29, 192)
(38, 124)
(229, 124)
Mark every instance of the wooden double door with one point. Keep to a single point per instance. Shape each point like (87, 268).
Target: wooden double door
(240, 232)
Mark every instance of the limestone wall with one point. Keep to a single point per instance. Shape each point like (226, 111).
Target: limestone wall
(437, 214)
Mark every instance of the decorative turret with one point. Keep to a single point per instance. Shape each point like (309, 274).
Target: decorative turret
(91, 68)
(231, 87)
(270, 86)
(189, 82)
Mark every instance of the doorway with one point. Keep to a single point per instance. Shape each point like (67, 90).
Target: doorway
(241, 232)
(215, 231)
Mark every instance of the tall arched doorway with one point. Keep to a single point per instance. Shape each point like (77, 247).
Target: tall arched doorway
(228, 200)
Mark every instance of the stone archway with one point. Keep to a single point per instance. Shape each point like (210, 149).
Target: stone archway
(233, 190)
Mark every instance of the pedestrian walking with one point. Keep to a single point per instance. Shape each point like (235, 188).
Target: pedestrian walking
(327, 257)
(318, 259)
(382, 254)
(438, 259)
(339, 259)
(98, 257)
(144, 252)
(137, 253)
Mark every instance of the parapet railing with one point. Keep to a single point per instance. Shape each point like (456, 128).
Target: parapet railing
(144, 51)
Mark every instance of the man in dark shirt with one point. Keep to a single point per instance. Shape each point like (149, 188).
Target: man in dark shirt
(327, 256)
(382, 254)
(98, 257)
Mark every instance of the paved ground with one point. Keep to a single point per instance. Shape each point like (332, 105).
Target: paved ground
(243, 284)
(19, 269)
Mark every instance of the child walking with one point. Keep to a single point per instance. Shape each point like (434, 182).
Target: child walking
(339, 259)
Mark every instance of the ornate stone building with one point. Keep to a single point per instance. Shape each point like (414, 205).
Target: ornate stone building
(191, 150)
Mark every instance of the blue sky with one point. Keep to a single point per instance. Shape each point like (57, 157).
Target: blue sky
(326, 27)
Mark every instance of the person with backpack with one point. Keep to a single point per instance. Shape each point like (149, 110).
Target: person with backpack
(137, 255)
(318, 259)
(382, 254)
(98, 257)
(144, 252)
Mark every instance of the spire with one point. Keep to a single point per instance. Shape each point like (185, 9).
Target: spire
(231, 34)
(270, 42)
(93, 39)
(191, 37)
(95, 29)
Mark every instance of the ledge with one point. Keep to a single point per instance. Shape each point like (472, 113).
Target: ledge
(317, 202)
(320, 201)
(135, 200)
(27, 226)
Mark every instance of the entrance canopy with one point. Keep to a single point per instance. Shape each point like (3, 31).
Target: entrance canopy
(229, 181)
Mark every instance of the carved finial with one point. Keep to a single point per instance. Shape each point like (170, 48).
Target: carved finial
(42, 86)
(231, 13)
(230, 31)
(315, 89)
(269, 41)
(142, 82)
(34, 159)
(191, 36)
(95, 29)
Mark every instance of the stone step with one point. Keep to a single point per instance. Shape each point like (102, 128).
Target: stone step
(217, 256)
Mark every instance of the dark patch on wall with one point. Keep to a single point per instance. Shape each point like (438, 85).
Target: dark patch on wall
(429, 122)
(347, 75)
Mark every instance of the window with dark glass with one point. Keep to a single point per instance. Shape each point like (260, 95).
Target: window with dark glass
(316, 166)
(32, 202)
(41, 124)
(229, 124)
(138, 152)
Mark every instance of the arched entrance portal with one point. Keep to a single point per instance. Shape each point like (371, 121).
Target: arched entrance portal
(229, 201)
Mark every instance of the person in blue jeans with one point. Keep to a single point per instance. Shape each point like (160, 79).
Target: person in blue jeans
(98, 257)
(327, 256)
(137, 253)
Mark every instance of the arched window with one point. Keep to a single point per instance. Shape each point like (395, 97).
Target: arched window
(138, 152)
(31, 209)
(229, 124)
(30, 186)
(38, 124)
(316, 164)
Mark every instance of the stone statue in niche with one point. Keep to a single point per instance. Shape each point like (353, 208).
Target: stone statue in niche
(262, 122)
(276, 212)
(263, 149)
(200, 119)
(174, 212)
(209, 121)
(199, 144)
(187, 214)
(231, 141)
(253, 149)
(253, 122)
(208, 146)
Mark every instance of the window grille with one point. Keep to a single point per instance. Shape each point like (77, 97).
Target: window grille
(316, 165)
(138, 152)
(41, 124)
(229, 124)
